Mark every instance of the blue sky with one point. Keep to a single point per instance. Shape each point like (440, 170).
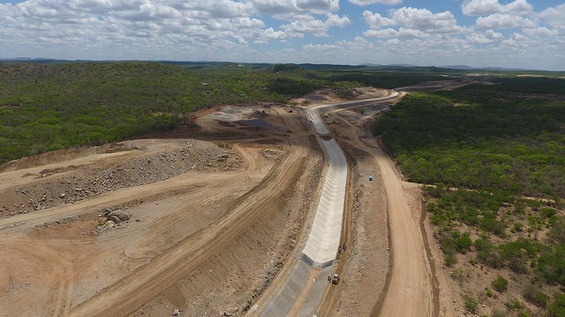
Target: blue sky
(514, 33)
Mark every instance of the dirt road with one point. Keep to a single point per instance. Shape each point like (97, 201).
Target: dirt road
(411, 289)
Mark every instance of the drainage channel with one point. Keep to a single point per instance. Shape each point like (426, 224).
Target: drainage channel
(303, 290)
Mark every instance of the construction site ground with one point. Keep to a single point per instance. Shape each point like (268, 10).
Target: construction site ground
(216, 212)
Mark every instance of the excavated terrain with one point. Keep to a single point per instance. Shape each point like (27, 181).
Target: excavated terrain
(207, 218)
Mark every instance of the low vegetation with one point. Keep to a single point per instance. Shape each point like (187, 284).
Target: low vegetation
(491, 158)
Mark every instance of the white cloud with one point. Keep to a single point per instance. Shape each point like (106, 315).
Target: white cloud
(416, 19)
(335, 20)
(178, 29)
(368, 2)
(320, 6)
(218, 9)
(285, 8)
(555, 17)
(250, 22)
(235, 29)
(554, 14)
(123, 23)
(317, 27)
(541, 31)
(487, 7)
(424, 19)
(504, 21)
(375, 20)
(487, 37)
(392, 33)
(381, 33)
(271, 34)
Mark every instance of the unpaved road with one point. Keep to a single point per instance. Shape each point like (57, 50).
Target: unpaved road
(208, 240)
(410, 288)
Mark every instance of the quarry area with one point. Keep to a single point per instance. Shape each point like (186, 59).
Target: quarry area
(207, 220)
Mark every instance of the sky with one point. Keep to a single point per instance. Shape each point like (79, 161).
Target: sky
(527, 34)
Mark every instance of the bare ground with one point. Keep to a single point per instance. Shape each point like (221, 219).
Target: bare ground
(215, 215)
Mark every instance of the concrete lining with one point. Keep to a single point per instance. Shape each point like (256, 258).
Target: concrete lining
(323, 241)
(318, 124)
(287, 295)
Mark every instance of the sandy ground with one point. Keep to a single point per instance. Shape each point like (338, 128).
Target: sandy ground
(215, 215)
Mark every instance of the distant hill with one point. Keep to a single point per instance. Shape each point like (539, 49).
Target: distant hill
(34, 60)
(265, 65)
(461, 67)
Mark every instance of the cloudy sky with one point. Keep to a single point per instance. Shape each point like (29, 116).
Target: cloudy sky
(516, 33)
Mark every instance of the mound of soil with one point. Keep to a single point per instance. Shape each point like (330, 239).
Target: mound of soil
(67, 184)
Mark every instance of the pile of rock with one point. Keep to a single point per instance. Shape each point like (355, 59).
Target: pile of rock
(85, 182)
(114, 217)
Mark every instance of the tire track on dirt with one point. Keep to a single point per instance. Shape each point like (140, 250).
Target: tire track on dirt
(59, 267)
(132, 292)
(410, 288)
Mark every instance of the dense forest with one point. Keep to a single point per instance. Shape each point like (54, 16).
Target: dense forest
(48, 106)
(491, 157)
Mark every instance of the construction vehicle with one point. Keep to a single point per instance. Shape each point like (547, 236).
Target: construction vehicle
(335, 279)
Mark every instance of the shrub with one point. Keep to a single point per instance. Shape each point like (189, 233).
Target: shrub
(535, 296)
(500, 284)
(461, 275)
(489, 293)
(547, 212)
(551, 265)
(450, 259)
(557, 232)
(494, 226)
(470, 304)
(518, 227)
(488, 254)
(557, 308)
(463, 243)
(514, 304)
(497, 312)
